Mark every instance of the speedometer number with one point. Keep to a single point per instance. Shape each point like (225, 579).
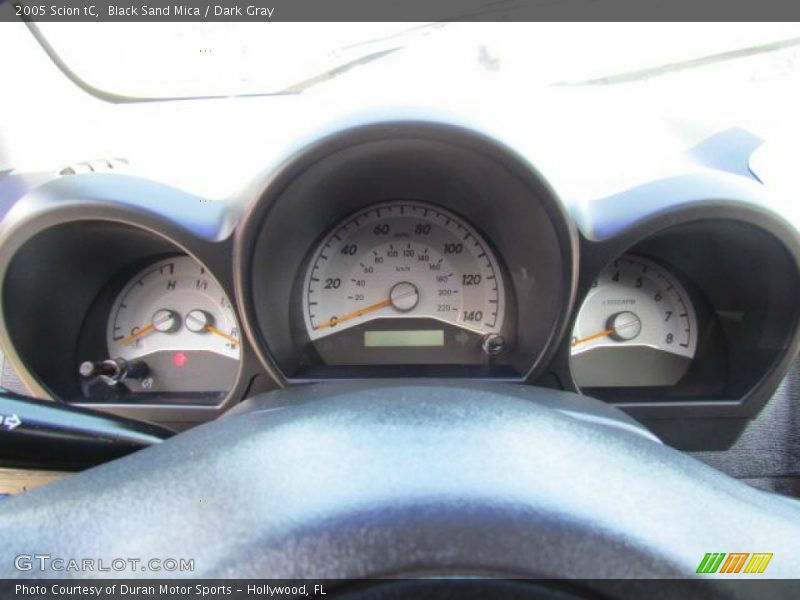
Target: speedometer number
(401, 260)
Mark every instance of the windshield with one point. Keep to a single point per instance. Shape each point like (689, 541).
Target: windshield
(228, 59)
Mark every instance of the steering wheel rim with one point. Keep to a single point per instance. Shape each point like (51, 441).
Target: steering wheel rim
(355, 480)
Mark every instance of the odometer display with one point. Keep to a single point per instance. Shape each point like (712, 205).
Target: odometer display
(403, 260)
(418, 338)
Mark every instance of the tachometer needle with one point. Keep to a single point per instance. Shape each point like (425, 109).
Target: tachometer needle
(613, 329)
(594, 336)
(135, 336)
(216, 331)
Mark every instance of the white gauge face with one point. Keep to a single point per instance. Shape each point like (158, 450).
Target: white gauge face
(173, 305)
(403, 260)
(634, 304)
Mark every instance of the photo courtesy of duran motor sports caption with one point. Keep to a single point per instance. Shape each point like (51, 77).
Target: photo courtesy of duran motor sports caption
(171, 589)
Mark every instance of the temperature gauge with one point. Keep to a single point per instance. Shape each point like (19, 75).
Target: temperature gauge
(175, 322)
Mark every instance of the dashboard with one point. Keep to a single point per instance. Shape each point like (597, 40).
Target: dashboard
(402, 249)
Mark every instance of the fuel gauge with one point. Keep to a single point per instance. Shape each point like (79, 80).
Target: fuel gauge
(176, 325)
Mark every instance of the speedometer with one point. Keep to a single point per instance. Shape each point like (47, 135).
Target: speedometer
(405, 274)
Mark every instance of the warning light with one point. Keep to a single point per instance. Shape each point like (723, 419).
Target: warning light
(179, 359)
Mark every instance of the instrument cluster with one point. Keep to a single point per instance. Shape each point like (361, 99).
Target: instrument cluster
(397, 252)
(411, 272)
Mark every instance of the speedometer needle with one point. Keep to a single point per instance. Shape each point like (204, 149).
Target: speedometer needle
(403, 296)
(356, 313)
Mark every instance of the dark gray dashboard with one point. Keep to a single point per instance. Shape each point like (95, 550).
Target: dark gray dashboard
(68, 244)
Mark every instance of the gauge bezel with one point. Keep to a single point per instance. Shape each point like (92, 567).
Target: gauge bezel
(58, 223)
(447, 166)
(702, 412)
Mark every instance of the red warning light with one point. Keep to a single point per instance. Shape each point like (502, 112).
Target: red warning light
(179, 359)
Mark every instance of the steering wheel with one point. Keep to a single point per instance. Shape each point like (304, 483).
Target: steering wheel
(392, 479)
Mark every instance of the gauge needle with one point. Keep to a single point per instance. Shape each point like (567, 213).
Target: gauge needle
(159, 320)
(135, 336)
(398, 292)
(594, 336)
(216, 331)
(355, 313)
(603, 333)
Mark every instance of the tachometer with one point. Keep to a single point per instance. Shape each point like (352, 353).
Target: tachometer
(636, 327)
(405, 274)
